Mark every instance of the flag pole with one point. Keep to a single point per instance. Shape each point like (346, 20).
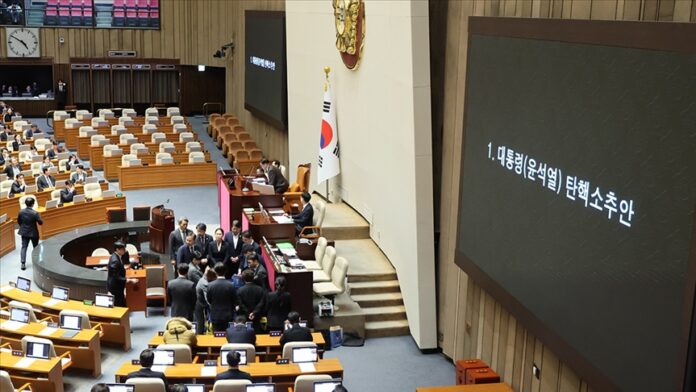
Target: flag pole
(327, 69)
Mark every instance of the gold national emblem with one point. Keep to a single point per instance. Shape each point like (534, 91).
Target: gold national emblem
(350, 30)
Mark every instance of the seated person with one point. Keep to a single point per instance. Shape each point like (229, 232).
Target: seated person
(53, 150)
(45, 181)
(18, 186)
(275, 177)
(3, 134)
(79, 176)
(46, 163)
(17, 142)
(32, 131)
(180, 331)
(238, 332)
(233, 373)
(306, 216)
(68, 193)
(296, 332)
(72, 162)
(147, 357)
(13, 169)
(5, 156)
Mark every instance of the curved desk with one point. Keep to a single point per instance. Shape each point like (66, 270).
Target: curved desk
(71, 216)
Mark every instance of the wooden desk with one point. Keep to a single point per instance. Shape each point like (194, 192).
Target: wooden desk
(265, 225)
(183, 174)
(7, 237)
(265, 344)
(59, 125)
(136, 298)
(232, 202)
(103, 261)
(64, 175)
(10, 206)
(111, 164)
(71, 216)
(268, 371)
(47, 373)
(84, 142)
(115, 321)
(85, 350)
(72, 134)
(497, 387)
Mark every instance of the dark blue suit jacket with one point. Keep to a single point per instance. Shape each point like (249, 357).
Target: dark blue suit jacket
(184, 255)
(304, 218)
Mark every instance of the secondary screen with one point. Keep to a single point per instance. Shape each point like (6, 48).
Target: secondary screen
(577, 194)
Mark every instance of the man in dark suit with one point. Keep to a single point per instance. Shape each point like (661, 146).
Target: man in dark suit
(13, 169)
(45, 181)
(68, 193)
(275, 177)
(147, 357)
(259, 273)
(195, 270)
(234, 241)
(18, 186)
(233, 373)
(116, 275)
(252, 299)
(296, 332)
(249, 243)
(306, 216)
(182, 294)
(28, 219)
(239, 333)
(79, 177)
(178, 238)
(222, 297)
(184, 255)
(202, 239)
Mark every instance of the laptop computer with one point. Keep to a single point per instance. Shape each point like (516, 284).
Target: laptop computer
(19, 315)
(260, 388)
(242, 357)
(91, 180)
(23, 283)
(60, 293)
(37, 350)
(326, 385)
(77, 199)
(195, 387)
(30, 189)
(110, 193)
(37, 158)
(304, 355)
(121, 387)
(163, 358)
(51, 204)
(104, 300)
(73, 324)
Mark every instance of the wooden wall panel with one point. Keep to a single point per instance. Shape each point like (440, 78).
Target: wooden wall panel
(470, 322)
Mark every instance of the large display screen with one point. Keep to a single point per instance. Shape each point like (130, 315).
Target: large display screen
(577, 198)
(265, 80)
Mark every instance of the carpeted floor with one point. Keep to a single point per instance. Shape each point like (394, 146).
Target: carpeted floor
(385, 364)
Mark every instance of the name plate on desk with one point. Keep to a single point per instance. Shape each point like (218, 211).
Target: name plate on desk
(160, 333)
(17, 353)
(46, 294)
(52, 325)
(135, 362)
(274, 333)
(210, 362)
(220, 334)
(282, 361)
(88, 302)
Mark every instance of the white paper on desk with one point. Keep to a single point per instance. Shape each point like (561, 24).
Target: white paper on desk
(5, 288)
(48, 331)
(51, 302)
(24, 362)
(289, 252)
(11, 325)
(159, 368)
(307, 367)
(295, 262)
(283, 219)
(276, 211)
(209, 371)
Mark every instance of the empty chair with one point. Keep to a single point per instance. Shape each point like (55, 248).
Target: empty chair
(98, 140)
(249, 348)
(250, 145)
(163, 158)
(5, 186)
(20, 126)
(62, 164)
(93, 190)
(196, 157)
(99, 122)
(143, 384)
(241, 156)
(149, 128)
(60, 115)
(55, 195)
(25, 156)
(72, 123)
(25, 306)
(151, 120)
(182, 352)
(337, 285)
(179, 128)
(234, 146)
(186, 137)
(287, 349)
(84, 317)
(193, 146)
(255, 155)
(152, 112)
(172, 111)
(154, 276)
(42, 144)
(230, 385)
(112, 150)
(327, 264)
(125, 121)
(128, 112)
(176, 120)
(86, 131)
(318, 255)
(138, 148)
(83, 115)
(131, 249)
(6, 383)
(242, 136)
(101, 252)
(305, 382)
(166, 147)
(36, 168)
(23, 200)
(158, 137)
(127, 138)
(118, 129)
(232, 121)
(105, 113)
(127, 158)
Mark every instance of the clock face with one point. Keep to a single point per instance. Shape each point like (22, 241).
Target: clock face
(22, 42)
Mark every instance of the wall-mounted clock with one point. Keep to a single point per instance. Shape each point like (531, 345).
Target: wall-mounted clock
(22, 42)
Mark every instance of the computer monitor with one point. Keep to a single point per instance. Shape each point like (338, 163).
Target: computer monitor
(91, 180)
(260, 388)
(107, 194)
(121, 387)
(326, 385)
(195, 387)
(37, 350)
(23, 284)
(19, 315)
(70, 322)
(163, 358)
(104, 300)
(51, 204)
(242, 357)
(60, 293)
(78, 199)
(303, 323)
(304, 354)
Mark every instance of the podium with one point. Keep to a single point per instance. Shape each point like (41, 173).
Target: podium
(136, 298)
(161, 225)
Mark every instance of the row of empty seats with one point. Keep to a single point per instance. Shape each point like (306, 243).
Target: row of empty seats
(232, 139)
(129, 138)
(109, 113)
(113, 150)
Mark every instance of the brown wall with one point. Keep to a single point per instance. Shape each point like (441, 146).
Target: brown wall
(198, 88)
(470, 322)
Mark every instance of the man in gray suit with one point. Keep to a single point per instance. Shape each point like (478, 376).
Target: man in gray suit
(178, 238)
(28, 229)
(182, 294)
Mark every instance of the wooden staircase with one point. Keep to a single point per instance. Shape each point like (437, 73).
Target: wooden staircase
(379, 297)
